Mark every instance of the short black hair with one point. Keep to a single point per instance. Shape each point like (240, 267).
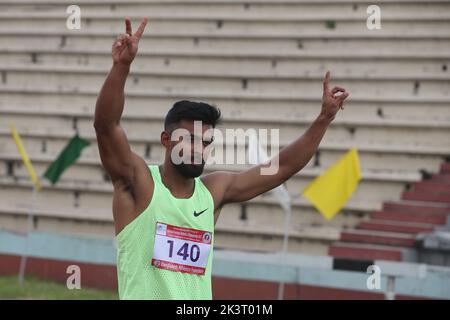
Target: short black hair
(189, 110)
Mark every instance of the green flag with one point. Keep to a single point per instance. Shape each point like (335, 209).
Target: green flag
(68, 156)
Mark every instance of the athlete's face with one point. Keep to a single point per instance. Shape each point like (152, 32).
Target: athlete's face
(186, 146)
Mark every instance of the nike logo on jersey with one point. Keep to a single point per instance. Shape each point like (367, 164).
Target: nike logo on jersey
(196, 214)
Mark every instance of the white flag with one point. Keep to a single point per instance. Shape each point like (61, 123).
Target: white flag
(257, 155)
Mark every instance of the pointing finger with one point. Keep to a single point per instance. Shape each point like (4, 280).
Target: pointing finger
(326, 82)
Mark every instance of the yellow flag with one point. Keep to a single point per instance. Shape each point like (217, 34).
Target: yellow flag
(25, 158)
(330, 191)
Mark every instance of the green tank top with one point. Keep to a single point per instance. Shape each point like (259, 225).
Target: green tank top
(163, 252)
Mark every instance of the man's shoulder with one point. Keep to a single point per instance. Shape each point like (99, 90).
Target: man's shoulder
(217, 179)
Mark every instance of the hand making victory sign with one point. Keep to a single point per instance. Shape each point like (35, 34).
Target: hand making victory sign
(125, 47)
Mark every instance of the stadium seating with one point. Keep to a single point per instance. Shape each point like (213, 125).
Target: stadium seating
(261, 62)
(391, 234)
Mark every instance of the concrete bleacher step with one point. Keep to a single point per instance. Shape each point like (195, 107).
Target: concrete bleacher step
(50, 142)
(289, 62)
(445, 168)
(417, 207)
(395, 226)
(410, 217)
(82, 77)
(228, 6)
(216, 21)
(432, 187)
(442, 178)
(266, 214)
(229, 73)
(36, 94)
(242, 66)
(89, 167)
(40, 102)
(311, 232)
(426, 196)
(228, 41)
(142, 135)
(364, 129)
(136, 97)
(53, 114)
(98, 193)
(360, 251)
(431, 190)
(378, 237)
(287, 122)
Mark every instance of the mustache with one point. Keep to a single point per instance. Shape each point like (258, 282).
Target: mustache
(194, 159)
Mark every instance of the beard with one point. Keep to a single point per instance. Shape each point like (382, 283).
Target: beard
(190, 170)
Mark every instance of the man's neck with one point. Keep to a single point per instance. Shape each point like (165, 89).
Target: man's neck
(179, 186)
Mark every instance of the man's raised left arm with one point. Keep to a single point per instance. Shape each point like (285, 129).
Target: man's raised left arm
(245, 185)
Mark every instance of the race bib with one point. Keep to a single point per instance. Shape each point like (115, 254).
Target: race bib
(181, 249)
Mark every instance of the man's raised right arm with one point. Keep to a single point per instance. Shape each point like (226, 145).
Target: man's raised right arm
(115, 152)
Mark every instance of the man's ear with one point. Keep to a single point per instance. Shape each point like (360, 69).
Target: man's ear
(165, 139)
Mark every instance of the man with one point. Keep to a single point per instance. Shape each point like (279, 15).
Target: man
(165, 215)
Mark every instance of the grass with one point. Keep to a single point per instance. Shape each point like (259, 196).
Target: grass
(35, 288)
